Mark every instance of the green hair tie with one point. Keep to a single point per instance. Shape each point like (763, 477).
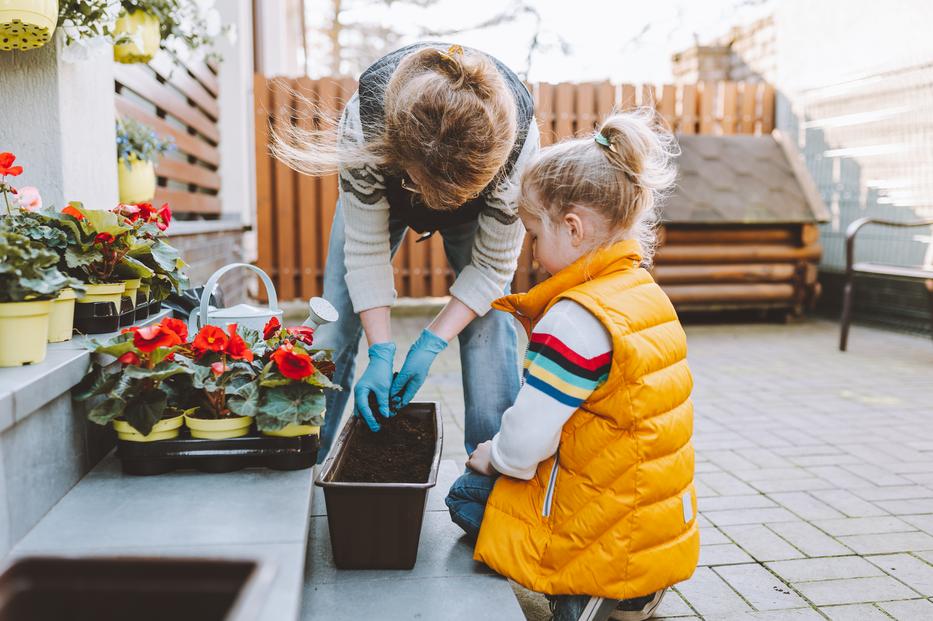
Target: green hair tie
(600, 139)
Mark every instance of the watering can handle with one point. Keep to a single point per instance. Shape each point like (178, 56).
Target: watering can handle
(212, 284)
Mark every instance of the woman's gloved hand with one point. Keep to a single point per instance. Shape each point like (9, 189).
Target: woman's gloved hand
(415, 370)
(376, 380)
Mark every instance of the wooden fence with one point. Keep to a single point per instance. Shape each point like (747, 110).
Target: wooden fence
(294, 211)
(179, 100)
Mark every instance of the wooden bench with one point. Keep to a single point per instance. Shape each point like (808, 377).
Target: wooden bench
(877, 269)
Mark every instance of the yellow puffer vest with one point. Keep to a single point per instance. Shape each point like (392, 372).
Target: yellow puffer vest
(613, 513)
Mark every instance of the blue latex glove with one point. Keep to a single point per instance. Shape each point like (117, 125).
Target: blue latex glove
(415, 370)
(376, 380)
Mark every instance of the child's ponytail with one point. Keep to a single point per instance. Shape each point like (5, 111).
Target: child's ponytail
(622, 171)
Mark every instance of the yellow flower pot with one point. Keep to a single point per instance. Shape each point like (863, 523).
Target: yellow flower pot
(62, 316)
(131, 286)
(218, 428)
(108, 292)
(26, 24)
(24, 331)
(165, 429)
(137, 181)
(293, 431)
(142, 31)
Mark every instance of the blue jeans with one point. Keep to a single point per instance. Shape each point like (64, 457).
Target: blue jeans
(466, 502)
(488, 346)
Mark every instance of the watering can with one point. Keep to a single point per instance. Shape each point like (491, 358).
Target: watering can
(248, 316)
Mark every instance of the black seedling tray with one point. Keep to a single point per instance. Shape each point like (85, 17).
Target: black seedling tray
(185, 452)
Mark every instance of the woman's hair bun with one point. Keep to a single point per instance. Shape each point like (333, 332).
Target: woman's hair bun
(466, 69)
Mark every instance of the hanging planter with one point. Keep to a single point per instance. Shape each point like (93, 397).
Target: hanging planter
(24, 329)
(62, 316)
(137, 180)
(138, 37)
(27, 24)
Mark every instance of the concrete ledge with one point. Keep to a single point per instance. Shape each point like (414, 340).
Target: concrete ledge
(23, 390)
(251, 514)
(181, 228)
(446, 583)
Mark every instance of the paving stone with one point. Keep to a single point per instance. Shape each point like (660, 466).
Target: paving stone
(908, 610)
(805, 505)
(910, 570)
(876, 474)
(839, 477)
(795, 614)
(889, 542)
(832, 568)
(709, 594)
(723, 554)
(907, 507)
(760, 587)
(854, 612)
(710, 535)
(673, 605)
(763, 544)
(923, 522)
(748, 501)
(808, 539)
(726, 484)
(863, 526)
(792, 485)
(897, 492)
(750, 516)
(848, 503)
(854, 590)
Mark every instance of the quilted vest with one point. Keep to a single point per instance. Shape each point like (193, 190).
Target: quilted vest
(613, 512)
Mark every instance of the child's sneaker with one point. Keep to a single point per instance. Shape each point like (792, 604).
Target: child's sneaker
(638, 608)
(595, 609)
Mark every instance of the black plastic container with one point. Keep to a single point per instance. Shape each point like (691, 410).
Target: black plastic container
(141, 589)
(185, 452)
(377, 525)
(141, 310)
(127, 311)
(96, 318)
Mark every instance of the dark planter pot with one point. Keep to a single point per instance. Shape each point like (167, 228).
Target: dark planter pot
(141, 311)
(127, 312)
(377, 525)
(142, 589)
(96, 318)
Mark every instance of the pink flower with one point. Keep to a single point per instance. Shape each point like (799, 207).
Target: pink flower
(29, 199)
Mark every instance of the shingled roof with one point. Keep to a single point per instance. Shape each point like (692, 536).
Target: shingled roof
(742, 180)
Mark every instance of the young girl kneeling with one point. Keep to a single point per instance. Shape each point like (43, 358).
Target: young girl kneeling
(595, 506)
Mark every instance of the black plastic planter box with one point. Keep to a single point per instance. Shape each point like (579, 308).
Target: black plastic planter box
(124, 588)
(377, 525)
(185, 452)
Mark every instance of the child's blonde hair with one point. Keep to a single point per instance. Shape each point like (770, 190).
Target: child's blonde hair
(621, 173)
(449, 116)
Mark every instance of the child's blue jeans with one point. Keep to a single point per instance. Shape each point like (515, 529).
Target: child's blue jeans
(467, 503)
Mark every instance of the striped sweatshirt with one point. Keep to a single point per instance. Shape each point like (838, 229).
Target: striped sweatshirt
(569, 355)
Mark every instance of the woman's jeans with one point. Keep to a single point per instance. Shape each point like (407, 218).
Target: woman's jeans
(487, 345)
(467, 504)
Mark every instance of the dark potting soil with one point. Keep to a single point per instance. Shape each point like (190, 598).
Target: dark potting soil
(400, 452)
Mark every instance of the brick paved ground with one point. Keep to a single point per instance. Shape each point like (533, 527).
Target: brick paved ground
(814, 472)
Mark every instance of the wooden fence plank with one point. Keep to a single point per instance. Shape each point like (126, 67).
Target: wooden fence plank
(309, 230)
(767, 109)
(264, 202)
(544, 110)
(329, 93)
(183, 172)
(667, 107)
(707, 107)
(605, 100)
(206, 76)
(585, 108)
(649, 96)
(184, 142)
(564, 111)
(747, 118)
(178, 76)
(688, 118)
(284, 178)
(438, 266)
(182, 201)
(729, 107)
(628, 97)
(143, 82)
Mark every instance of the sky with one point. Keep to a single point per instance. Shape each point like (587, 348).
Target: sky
(621, 40)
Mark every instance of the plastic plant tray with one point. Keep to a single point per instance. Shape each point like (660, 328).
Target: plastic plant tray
(184, 452)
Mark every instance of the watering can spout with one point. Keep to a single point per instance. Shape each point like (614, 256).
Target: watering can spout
(320, 312)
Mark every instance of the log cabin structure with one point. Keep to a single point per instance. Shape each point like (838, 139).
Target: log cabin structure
(740, 228)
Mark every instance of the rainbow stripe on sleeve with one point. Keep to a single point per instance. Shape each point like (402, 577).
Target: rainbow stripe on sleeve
(561, 373)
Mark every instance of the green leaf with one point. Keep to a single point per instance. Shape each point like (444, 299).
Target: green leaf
(245, 401)
(76, 257)
(107, 410)
(97, 382)
(143, 412)
(292, 404)
(159, 373)
(132, 268)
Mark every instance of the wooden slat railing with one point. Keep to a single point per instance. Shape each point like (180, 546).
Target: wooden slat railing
(179, 100)
(295, 211)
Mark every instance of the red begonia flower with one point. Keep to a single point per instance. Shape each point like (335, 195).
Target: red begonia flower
(237, 347)
(210, 338)
(305, 334)
(218, 368)
(151, 338)
(271, 328)
(104, 238)
(293, 364)
(177, 326)
(74, 213)
(129, 358)
(6, 165)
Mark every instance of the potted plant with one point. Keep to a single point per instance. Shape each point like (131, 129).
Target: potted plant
(141, 397)
(27, 24)
(371, 479)
(29, 281)
(85, 24)
(289, 401)
(138, 150)
(222, 372)
(182, 25)
(137, 33)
